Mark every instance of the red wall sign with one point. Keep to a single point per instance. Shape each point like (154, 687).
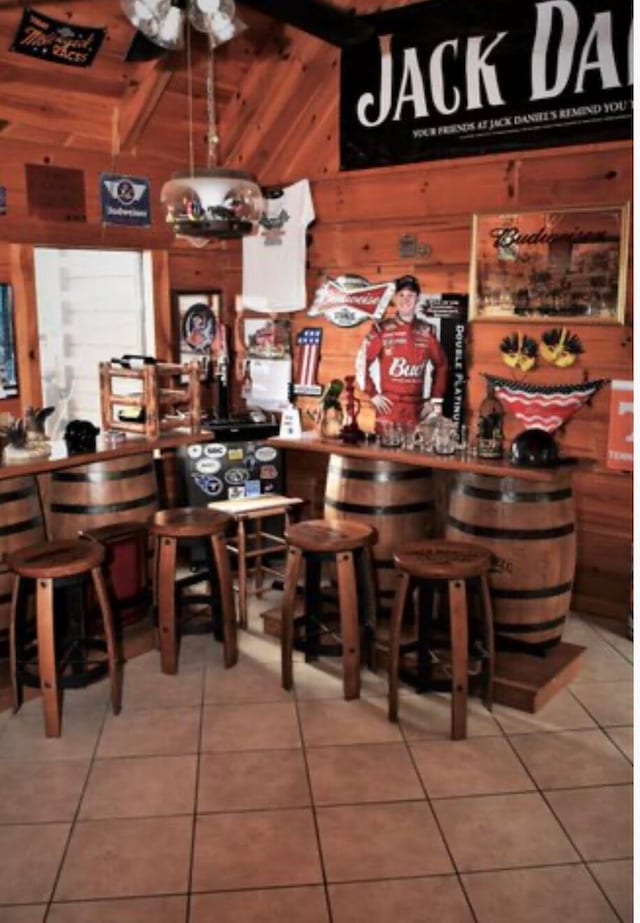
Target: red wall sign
(620, 445)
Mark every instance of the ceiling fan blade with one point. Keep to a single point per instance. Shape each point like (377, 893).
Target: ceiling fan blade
(317, 18)
(141, 49)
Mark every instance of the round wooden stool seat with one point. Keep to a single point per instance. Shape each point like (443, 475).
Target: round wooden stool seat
(443, 560)
(431, 571)
(322, 536)
(52, 560)
(346, 545)
(189, 522)
(115, 531)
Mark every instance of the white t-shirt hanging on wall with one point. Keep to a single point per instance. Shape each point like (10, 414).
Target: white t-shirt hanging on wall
(274, 259)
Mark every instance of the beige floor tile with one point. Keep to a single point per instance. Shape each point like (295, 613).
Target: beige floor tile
(150, 786)
(370, 841)
(255, 849)
(480, 766)
(609, 703)
(601, 663)
(251, 780)
(417, 901)
(561, 713)
(151, 732)
(31, 856)
(32, 914)
(572, 758)
(623, 739)
(331, 721)
(154, 689)
(428, 717)
(502, 831)
(598, 820)
(126, 858)
(271, 726)
(248, 681)
(257, 646)
(322, 679)
(616, 880)
(362, 773)
(43, 791)
(612, 631)
(565, 894)
(302, 905)
(23, 737)
(135, 910)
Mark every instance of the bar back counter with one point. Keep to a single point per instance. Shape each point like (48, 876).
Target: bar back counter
(525, 516)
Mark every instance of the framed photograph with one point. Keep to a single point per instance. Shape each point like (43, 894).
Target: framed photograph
(564, 264)
(196, 319)
(8, 369)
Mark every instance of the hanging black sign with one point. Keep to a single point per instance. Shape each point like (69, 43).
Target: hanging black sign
(456, 78)
(39, 36)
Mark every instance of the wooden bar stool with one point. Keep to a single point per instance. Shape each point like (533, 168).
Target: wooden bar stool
(252, 543)
(348, 545)
(431, 567)
(46, 564)
(169, 527)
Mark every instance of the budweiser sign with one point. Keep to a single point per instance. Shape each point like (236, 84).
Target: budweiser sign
(350, 300)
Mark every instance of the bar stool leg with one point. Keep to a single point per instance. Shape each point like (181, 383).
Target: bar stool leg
(459, 658)
(397, 611)
(47, 658)
(294, 562)
(166, 597)
(489, 644)
(230, 640)
(258, 576)
(16, 687)
(113, 658)
(349, 627)
(242, 574)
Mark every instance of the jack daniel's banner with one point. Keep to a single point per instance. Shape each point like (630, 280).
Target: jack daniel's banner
(455, 78)
(39, 36)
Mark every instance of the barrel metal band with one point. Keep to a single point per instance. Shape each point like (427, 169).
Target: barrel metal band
(365, 509)
(529, 627)
(5, 598)
(381, 477)
(97, 509)
(23, 526)
(514, 534)
(513, 496)
(23, 494)
(540, 593)
(97, 477)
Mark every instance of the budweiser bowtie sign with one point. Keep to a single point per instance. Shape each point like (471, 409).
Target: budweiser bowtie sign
(349, 300)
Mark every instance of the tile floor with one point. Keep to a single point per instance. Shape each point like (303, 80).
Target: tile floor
(216, 796)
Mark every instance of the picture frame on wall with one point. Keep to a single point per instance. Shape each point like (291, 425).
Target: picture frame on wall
(196, 316)
(8, 364)
(564, 264)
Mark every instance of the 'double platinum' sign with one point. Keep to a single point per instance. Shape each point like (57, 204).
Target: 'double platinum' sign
(455, 78)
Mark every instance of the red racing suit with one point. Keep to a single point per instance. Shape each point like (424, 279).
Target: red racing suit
(403, 350)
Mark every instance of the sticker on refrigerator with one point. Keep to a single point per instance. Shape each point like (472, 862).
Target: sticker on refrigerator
(252, 489)
(215, 450)
(194, 451)
(236, 454)
(236, 493)
(208, 484)
(266, 453)
(236, 475)
(208, 466)
(268, 472)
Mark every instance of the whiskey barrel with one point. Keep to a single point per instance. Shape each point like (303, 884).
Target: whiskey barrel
(101, 494)
(399, 500)
(530, 528)
(21, 524)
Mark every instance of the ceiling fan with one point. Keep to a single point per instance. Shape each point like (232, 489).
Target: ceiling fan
(161, 23)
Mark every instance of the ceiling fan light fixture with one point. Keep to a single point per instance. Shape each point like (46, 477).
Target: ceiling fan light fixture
(212, 203)
(161, 21)
(216, 18)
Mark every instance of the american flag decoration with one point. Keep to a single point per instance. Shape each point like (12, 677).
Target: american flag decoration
(308, 342)
(546, 407)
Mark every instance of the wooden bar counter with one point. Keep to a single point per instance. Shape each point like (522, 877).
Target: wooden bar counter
(525, 516)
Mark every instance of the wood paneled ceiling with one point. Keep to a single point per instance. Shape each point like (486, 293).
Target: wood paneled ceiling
(271, 82)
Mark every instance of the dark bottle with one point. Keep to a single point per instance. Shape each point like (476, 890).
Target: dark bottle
(490, 437)
(134, 361)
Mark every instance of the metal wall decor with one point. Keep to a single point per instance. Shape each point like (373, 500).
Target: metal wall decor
(8, 370)
(550, 264)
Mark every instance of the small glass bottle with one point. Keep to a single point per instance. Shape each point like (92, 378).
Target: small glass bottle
(490, 430)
